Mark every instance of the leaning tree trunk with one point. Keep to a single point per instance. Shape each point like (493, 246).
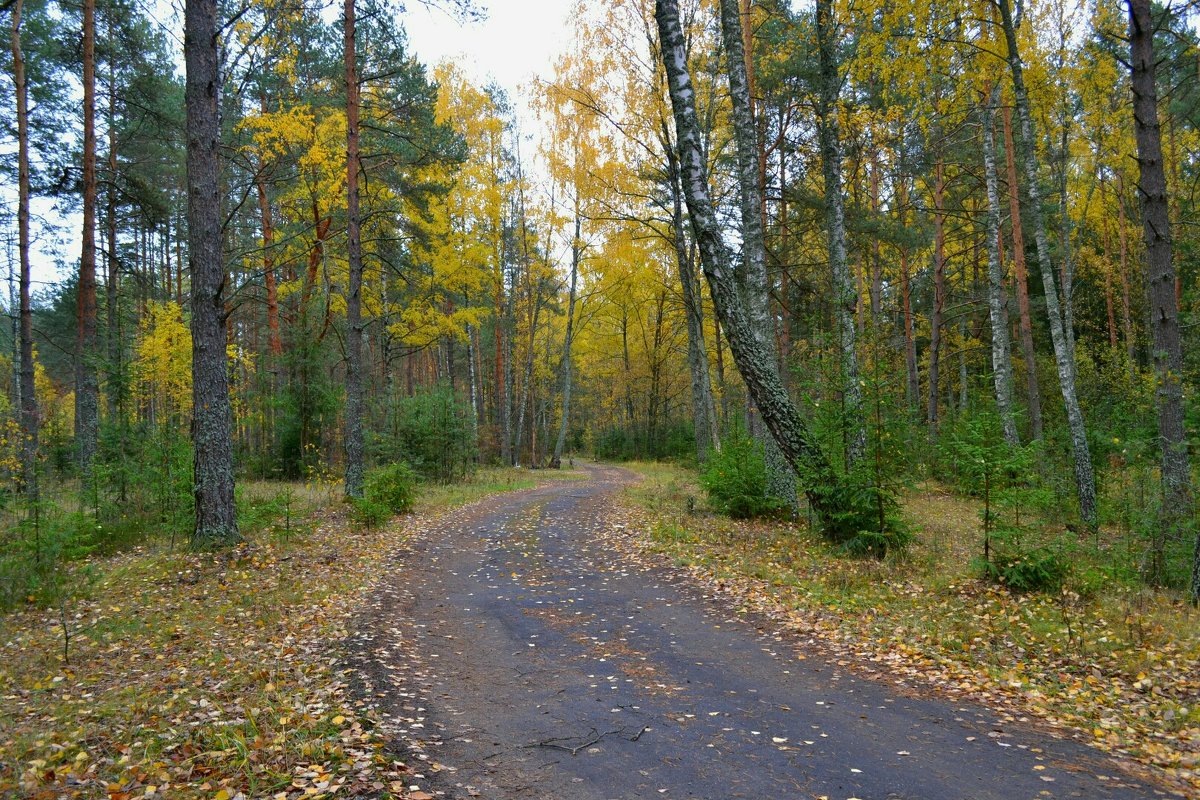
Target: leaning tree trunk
(568, 340)
(87, 391)
(703, 410)
(212, 415)
(997, 305)
(844, 295)
(1160, 279)
(756, 364)
(354, 328)
(1084, 478)
(29, 412)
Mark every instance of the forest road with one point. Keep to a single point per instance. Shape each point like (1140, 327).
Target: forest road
(536, 663)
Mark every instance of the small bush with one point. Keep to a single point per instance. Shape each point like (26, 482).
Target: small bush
(1025, 569)
(736, 480)
(367, 513)
(393, 487)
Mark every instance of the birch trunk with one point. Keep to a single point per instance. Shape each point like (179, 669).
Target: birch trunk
(756, 364)
(756, 290)
(997, 299)
(212, 416)
(568, 339)
(1084, 478)
(703, 410)
(844, 295)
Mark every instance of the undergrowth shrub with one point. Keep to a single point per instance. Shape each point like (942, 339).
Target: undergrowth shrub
(368, 513)
(393, 487)
(1024, 568)
(735, 480)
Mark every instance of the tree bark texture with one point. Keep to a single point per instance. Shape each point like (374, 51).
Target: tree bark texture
(1167, 354)
(354, 326)
(212, 415)
(87, 411)
(997, 296)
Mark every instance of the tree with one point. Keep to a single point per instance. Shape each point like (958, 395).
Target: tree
(1167, 349)
(1085, 481)
(87, 405)
(354, 330)
(29, 411)
(997, 298)
(212, 414)
(754, 361)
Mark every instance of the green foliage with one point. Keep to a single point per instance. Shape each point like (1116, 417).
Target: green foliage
(672, 441)
(37, 551)
(431, 430)
(394, 487)
(735, 479)
(368, 513)
(1022, 568)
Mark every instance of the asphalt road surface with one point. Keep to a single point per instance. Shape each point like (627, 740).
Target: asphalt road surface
(534, 662)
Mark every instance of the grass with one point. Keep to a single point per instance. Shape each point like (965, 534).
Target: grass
(211, 675)
(1115, 660)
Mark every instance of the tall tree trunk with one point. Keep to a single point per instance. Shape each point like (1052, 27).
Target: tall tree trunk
(212, 414)
(354, 326)
(568, 339)
(1084, 478)
(913, 384)
(756, 364)
(1033, 393)
(29, 411)
(703, 410)
(997, 297)
(112, 282)
(844, 296)
(1167, 354)
(751, 174)
(87, 411)
(939, 294)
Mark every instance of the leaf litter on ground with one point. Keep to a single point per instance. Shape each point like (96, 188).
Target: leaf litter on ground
(1118, 669)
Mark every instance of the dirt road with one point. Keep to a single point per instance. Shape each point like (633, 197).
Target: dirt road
(536, 663)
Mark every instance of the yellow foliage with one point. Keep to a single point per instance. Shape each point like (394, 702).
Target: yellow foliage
(162, 367)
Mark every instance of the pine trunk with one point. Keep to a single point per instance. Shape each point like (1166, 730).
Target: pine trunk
(1167, 354)
(212, 415)
(87, 391)
(354, 326)
(1033, 393)
(29, 411)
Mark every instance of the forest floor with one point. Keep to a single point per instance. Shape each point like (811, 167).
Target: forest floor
(1117, 667)
(316, 660)
(187, 675)
(547, 644)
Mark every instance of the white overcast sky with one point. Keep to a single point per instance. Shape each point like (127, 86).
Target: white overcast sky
(517, 40)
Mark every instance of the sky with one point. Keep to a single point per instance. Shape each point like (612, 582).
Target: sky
(517, 40)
